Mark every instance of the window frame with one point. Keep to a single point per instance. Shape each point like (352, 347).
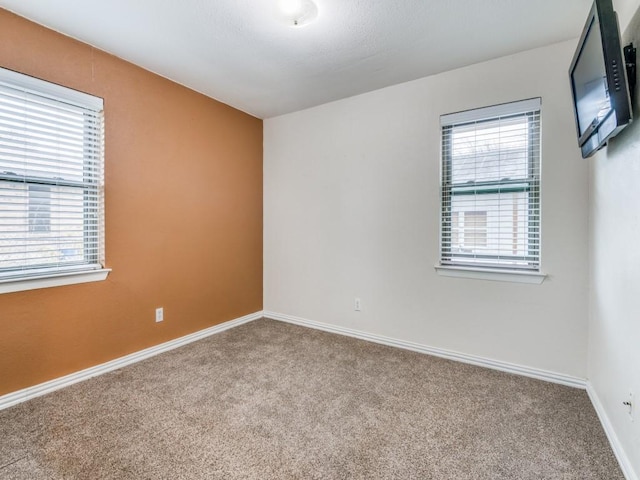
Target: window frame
(448, 266)
(27, 277)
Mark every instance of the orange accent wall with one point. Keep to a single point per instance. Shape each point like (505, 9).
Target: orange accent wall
(183, 193)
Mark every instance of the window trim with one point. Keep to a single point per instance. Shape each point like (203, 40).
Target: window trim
(50, 89)
(35, 278)
(53, 279)
(506, 273)
(498, 275)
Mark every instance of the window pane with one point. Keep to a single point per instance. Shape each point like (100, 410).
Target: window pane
(41, 140)
(52, 236)
(39, 208)
(491, 225)
(468, 230)
(490, 150)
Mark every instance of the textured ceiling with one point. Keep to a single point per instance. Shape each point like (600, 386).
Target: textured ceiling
(241, 53)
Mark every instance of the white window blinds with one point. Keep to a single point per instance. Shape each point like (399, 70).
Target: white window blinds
(51, 178)
(490, 192)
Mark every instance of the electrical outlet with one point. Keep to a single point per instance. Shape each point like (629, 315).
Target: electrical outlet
(630, 406)
(357, 305)
(159, 314)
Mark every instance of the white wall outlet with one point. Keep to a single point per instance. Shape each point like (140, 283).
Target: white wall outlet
(630, 406)
(159, 314)
(357, 306)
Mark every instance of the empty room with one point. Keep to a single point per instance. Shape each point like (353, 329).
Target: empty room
(319, 239)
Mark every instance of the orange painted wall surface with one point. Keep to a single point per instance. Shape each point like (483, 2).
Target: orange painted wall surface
(183, 193)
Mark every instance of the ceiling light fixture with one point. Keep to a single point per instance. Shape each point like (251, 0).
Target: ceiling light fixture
(298, 13)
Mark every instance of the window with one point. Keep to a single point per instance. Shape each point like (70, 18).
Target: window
(490, 193)
(51, 180)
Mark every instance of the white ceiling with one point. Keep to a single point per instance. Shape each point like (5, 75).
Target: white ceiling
(241, 53)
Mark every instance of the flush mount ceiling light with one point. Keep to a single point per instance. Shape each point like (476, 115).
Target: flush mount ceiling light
(298, 13)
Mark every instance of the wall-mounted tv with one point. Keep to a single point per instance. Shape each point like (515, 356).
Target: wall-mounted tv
(601, 93)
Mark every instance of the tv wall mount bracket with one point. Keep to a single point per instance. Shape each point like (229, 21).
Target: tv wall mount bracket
(630, 62)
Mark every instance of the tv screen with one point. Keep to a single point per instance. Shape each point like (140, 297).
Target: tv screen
(602, 104)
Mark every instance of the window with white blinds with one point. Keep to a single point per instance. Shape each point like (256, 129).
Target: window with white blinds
(51, 178)
(490, 193)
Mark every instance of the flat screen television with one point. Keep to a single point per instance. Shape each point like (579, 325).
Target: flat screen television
(601, 94)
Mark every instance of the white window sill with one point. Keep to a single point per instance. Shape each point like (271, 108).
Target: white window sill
(491, 274)
(47, 280)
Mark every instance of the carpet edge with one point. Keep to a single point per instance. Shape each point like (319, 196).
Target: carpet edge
(19, 396)
(616, 445)
(539, 374)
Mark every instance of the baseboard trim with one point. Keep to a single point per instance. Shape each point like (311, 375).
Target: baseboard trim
(616, 446)
(536, 373)
(28, 393)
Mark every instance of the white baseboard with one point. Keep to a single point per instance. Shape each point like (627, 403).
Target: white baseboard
(438, 352)
(616, 446)
(28, 393)
(20, 396)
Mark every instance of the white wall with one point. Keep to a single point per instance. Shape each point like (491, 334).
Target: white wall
(614, 330)
(351, 209)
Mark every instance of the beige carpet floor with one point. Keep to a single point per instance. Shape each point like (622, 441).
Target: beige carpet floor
(268, 400)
